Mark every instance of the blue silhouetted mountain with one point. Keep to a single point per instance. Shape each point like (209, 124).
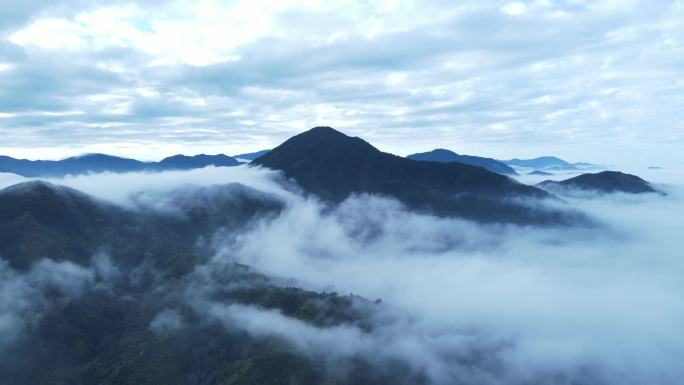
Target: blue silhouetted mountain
(252, 155)
(91, 163)
(539, 172)
(183, 162)
(446, 156)
(604, 182)
(96, 163)
(549, 163)
(334, 166)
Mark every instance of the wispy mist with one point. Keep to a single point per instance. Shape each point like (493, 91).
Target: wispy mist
(461, 302)
(119, 187)
(605, 303)
(24, 296)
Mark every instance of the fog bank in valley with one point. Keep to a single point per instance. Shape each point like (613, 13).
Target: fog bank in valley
(603, 304)
(461, 302)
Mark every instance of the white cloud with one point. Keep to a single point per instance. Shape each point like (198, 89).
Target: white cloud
(406, 75)
(515, 8)
(119, 188)
(559, 300)
(166, 321)
(23, 296)
(50, 34)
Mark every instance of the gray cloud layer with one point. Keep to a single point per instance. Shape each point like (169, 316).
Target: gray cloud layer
(496, 78)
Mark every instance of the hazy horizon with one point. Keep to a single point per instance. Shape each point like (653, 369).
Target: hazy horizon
(635, 165)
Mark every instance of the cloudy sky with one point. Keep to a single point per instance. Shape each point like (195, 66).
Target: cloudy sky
(589, 80)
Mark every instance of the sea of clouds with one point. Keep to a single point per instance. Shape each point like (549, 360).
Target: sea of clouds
(463, 302)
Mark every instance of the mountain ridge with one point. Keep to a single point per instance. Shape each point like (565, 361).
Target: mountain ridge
(252, 155)
(111, 325)
(334, 166)
(604, 182)
(95, 163)
(447, 156)
(548, 163)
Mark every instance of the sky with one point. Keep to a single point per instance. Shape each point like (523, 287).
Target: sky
(587, 80)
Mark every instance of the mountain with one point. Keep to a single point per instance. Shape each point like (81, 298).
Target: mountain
(541, 162)
(183, 162)
(446, 156)
(252, 155)
(96, 163)
(539, 172)
(196, 213)
(605, 182)
(155, 312)
(334, 166)
(118, 335)
(549, 163)
(42, 220)
(75, 165)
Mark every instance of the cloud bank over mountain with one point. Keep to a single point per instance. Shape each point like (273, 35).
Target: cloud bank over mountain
(120, 187)
(603, 305)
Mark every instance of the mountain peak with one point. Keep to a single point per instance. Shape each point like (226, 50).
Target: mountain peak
(437, 152)
(549, 163)
(551, 158)
(328, 135)
(30, 186)
(604, 182)
(334, 166)
(95, 155)
(323, 130)
(185, 162)
(541, 160)
(42, 190)
(321, 143)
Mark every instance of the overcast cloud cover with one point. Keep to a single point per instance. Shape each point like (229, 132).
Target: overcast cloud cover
(150, 78)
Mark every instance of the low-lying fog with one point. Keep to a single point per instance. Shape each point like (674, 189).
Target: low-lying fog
(603, 305)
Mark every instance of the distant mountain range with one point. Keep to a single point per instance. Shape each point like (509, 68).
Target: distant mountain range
(604, 182)
(539, 173)
(549, 163)
(333, 166)
(446, 156)
(542, 164)
(183, 162)
(252, 155)
(94, 163)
